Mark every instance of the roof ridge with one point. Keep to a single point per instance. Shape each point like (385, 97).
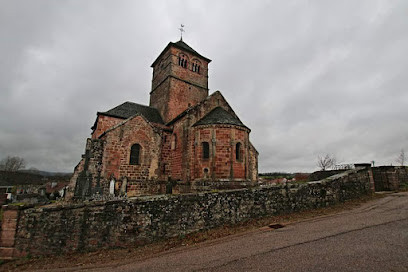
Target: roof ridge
(131, 102)
(129, 108)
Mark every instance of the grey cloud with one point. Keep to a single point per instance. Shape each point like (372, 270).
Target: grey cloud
(306, 77)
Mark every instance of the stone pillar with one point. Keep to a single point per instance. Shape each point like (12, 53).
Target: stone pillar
(213, 153)
(370, 175)
(8, 233)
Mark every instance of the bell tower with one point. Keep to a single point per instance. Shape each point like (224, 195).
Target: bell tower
(180, 80)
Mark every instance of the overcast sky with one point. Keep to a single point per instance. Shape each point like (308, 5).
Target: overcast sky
(308, 77)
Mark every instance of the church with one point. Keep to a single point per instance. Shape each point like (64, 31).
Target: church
(183, 139)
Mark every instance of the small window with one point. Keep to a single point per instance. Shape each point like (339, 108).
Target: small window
(164, 168)
(238, 155)
(135, 154)
(206, 172)
(174, 142)
(206, 150)
(182, 61)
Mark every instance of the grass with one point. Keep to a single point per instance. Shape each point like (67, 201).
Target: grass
(17, 204)
(404, 186)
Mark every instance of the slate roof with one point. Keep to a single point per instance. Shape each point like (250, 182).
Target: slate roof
(186, 47)
(219, 116)
(183, 46)
(129, 109)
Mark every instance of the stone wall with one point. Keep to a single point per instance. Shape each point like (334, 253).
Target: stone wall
(186, 153)
(108, 158)
(104, 123)
(318, 175)
(253, 162)
(86, 179)
(389, 178)
(221, 163)
(207, 185)
(175, 88)
(116, 156)
(139, 221)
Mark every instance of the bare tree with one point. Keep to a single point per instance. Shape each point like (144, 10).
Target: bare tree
(401, 158)
(12, 164)
(326, 161)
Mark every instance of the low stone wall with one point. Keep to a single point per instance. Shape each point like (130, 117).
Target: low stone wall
(319, 175)
(389, 178)
(61, 229)
(198, 186)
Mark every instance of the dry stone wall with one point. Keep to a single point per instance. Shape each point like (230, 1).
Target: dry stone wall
(390, 178)
(121, 223)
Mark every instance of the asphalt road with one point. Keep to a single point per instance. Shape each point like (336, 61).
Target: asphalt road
(373, 237)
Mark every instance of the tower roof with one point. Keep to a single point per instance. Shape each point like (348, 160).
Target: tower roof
(183, 46)
(221, 117)
(129, 109)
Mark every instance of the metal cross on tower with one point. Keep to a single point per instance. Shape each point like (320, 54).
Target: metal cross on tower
(181, 31)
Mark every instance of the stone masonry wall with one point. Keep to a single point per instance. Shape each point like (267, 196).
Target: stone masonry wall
(86, 179)
(389, 178)
(199, 79)
(139, 221)
(182, 96)
(165, 160)
(318, 175)
(186, 151)
(222, 162)
(175, 88)
(104, 123)
(168, 66)
(116, 156)
(108, 158)
(253, 162)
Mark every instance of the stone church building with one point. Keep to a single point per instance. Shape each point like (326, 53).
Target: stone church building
(185, 136)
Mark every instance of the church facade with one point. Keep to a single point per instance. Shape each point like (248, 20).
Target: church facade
(184, 136)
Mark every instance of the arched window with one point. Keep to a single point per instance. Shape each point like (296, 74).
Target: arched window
(135, 154)
(206, 150)
(195, 66)
(238, 155)
(112, 187)
(182, 60)
(174, 142)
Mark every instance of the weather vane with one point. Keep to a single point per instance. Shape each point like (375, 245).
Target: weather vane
(181, 31)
